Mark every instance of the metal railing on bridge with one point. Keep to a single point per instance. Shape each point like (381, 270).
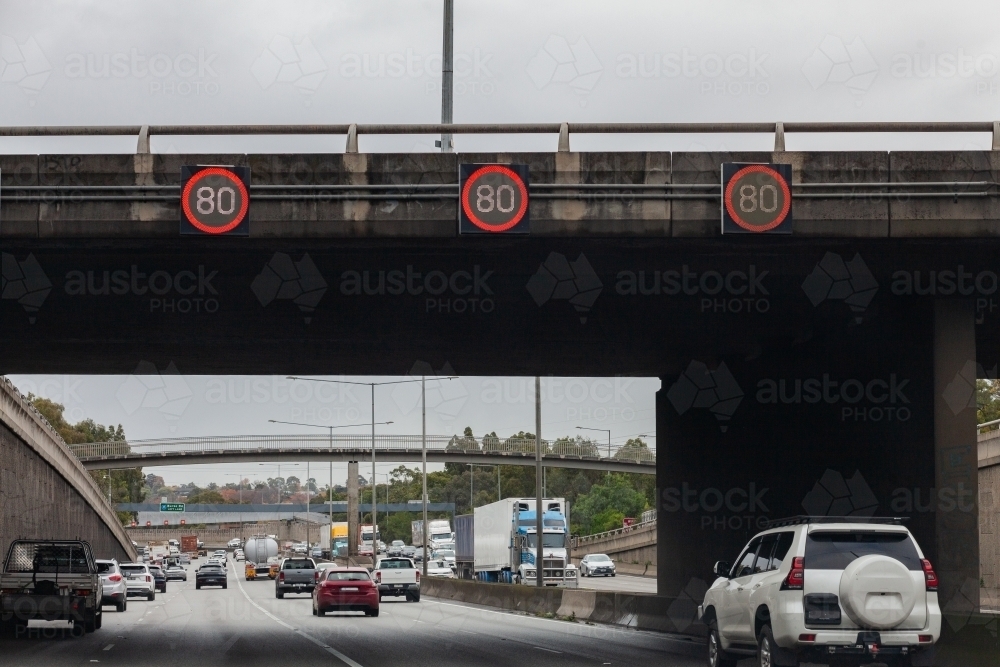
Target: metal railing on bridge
(487, 446)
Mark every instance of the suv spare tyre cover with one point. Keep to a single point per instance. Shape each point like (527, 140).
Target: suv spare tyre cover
(877, 592)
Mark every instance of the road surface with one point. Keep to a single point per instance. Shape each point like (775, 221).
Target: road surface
(246, 626)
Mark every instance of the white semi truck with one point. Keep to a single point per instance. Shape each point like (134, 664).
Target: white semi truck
(439, 530)
(505, 543)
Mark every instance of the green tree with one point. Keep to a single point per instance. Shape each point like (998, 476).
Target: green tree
(616, 495)
(206, 497)
(987, 400)
(125, 486)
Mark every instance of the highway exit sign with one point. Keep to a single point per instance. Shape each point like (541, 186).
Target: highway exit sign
(171, 507)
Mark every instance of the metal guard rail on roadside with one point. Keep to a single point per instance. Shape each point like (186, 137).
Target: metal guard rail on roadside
(360, 443)
(778, 129)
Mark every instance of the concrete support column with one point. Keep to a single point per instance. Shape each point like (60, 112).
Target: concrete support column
(352, 508)
(955, 454)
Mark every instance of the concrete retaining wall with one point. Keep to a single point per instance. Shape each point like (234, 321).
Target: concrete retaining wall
(217, 536)
(45, 493)
(632, 610)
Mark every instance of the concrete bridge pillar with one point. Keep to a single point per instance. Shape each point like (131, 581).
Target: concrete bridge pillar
(352, 508)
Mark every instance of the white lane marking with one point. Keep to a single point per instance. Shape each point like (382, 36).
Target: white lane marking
(229, 644)
(318, 642)
(540, 648)
(108, 647)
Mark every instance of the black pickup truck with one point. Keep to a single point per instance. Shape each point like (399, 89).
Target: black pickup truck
(50, 580)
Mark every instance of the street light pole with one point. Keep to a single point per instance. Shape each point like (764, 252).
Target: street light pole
(423, 461)
(539, 551)
(374, 485)
(447, 72)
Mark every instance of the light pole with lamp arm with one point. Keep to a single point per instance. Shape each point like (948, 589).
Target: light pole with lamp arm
(330, 490)
(424, 444)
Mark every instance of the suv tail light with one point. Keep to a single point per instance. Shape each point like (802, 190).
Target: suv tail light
(930, 576)
(418, 576)
(115, 577)
(281, 577)
(796, 578)
(148, 578)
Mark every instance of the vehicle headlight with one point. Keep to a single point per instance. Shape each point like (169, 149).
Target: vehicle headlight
(530, 573)
(570, 573)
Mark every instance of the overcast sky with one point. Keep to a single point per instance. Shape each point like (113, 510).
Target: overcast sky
(104, 63)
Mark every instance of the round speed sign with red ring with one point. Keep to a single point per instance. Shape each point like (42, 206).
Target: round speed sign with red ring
(493, 199)
(756, 198)
(215, 200)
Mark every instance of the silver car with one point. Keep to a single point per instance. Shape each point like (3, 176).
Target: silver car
(115, 590)
(175, 573)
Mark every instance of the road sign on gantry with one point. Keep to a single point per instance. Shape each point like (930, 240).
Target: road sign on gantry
(493, 199)
(215, 201)
(756, 198)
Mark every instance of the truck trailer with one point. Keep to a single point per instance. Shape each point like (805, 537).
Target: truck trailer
(505, 542)
(439, 530)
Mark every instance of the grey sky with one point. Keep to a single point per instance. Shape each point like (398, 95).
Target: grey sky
(80, 63)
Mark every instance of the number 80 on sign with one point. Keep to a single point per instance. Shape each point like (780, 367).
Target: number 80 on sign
(756, 198)
(493, 199)
(215, 200)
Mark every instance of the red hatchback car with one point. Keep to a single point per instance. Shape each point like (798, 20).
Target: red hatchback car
(345, 589)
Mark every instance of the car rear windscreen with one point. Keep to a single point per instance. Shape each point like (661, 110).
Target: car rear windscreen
(348, 576)
(298, 565)
(104, 568)
(835, 550)
(133, 569)
(400, 564)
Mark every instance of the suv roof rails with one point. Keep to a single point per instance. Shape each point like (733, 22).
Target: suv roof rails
(805, 519)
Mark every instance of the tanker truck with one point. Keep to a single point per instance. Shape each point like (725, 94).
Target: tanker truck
(258, 550)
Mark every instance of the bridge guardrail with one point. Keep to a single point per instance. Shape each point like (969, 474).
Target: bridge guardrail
(354, 443)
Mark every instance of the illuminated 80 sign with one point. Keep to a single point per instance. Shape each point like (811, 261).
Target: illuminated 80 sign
(493, 199)
(756, 198)
(215, 200)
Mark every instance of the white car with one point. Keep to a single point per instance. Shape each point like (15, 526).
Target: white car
(234, 543)
(597, 565)
(439, 568)
(139, 580)
(819, 590)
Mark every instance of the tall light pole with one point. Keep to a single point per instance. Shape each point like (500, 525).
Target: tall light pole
(330, 429)
(372, 385)
(242, 536)
(604, 430)
(539, 534)
(447, 73)
(423, 461)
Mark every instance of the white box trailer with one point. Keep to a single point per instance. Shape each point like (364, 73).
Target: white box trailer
(505, 542)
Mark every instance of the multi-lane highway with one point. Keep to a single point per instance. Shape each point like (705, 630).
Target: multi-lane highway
(245, 625)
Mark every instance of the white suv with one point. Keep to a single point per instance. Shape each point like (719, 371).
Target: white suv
(139, 580)
(840, 591)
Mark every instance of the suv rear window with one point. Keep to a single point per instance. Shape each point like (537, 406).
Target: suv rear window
(395, 564)
(835, 550)
(298, 565)
(104, 568)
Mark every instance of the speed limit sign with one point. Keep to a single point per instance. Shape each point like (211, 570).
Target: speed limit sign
(493, 199)
(756, 198)
(215, 200)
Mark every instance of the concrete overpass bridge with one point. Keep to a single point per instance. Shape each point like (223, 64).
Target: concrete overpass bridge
(831, 369)
(388, 448)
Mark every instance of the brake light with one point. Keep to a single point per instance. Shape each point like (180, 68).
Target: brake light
(418, 576)
(930, 576)
(796, 578)
(316, 576)
(378, 577)
(925, 639)
(148, 579)
(115, 577)
(807, 638)
(281, 576)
